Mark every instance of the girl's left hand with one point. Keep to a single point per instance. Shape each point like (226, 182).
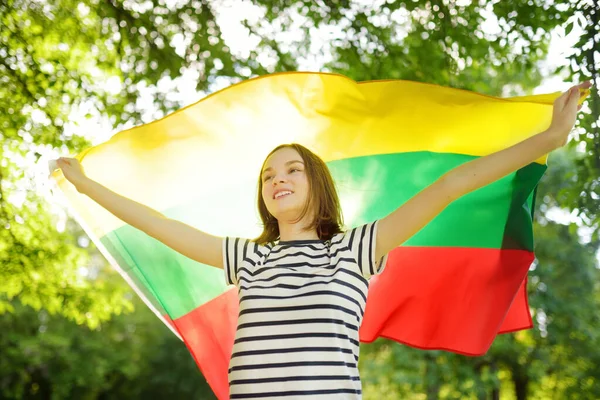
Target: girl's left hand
(564, 114)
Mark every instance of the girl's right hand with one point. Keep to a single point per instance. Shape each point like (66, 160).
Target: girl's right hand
(72, 170)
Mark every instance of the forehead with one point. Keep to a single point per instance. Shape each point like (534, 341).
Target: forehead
(281, 157)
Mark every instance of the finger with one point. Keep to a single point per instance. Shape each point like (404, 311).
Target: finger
(562, 100)
(573, 95)
(583, 86)
(565, 101)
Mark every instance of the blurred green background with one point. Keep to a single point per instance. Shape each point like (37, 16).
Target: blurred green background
(74, 72)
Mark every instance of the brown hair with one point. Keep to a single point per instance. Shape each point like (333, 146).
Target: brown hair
(322, 196)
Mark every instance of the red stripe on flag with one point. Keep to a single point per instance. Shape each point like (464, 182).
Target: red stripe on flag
(454, 299)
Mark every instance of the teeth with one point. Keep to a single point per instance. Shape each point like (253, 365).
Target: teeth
(280, 194)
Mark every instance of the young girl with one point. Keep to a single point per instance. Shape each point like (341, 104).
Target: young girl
(303, 282)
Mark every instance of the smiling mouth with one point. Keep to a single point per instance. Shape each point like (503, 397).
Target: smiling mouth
(282, 194)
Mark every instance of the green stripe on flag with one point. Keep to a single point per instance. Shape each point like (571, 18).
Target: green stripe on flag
(496, 216)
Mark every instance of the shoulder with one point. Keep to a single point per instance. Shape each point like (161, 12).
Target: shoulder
(359, 244)
(356, 235)
(235, 247)
(241, 254)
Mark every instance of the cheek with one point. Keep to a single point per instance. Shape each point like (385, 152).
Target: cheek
(305, 186)
(302, 191)
(264, 195)
(267, 194)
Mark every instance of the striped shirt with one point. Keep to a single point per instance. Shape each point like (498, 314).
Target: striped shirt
(301, 304)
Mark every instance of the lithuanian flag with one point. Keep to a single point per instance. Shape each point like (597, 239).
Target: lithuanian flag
(455, 285)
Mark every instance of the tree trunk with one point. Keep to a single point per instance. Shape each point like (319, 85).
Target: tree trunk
(432, 379)
(495, 393)
(479, 386)
(521, 385)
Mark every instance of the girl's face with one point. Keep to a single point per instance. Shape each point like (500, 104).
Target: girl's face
(285, 184)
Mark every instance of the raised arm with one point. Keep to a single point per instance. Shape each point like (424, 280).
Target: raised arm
(408, 219)
(187, 240)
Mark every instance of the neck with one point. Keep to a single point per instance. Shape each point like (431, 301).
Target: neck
(295, 231)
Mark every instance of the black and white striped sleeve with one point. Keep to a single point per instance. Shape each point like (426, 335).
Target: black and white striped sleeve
(234, 253)
(361, 243)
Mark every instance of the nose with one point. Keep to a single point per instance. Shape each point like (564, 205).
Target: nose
(277, 180)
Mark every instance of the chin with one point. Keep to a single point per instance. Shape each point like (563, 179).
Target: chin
(287, 213)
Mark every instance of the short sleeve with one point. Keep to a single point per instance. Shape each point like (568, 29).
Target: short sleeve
(234, 254)
(361, 244)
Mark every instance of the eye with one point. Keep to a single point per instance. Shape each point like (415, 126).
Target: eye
(266, 178)
(294, 169)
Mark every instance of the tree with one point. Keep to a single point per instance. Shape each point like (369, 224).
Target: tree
(584, 63)
(55, 57)
(132, 356)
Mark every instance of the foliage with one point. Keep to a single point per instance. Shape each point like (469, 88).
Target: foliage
(49, 269)
(133, 356)
(584, 199)
(447, 43)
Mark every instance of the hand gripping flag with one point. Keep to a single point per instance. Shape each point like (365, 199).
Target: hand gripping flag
(454, 285)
